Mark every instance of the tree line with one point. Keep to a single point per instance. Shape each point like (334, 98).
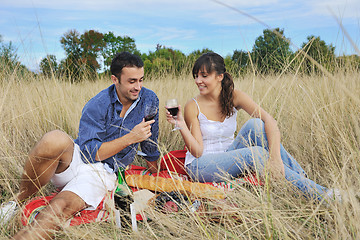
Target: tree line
(9, 60)
(89, 54)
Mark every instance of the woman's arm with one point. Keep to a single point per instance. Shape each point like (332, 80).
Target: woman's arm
(190, 128)
(242, 100)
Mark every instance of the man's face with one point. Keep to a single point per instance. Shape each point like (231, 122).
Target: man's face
(129, 84)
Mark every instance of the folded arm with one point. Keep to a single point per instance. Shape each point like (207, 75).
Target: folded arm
(242, 100)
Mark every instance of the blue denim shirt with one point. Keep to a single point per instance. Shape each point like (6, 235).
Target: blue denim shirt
(101, 122)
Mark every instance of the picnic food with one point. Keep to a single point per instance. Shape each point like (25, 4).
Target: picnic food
(161, 184)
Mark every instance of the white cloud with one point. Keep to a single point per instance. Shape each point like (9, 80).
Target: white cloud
(169, 33)
(182, 24)
(342, 9)
(218, 12)
(134, 4)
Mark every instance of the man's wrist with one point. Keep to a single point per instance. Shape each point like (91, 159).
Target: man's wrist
(128, 139)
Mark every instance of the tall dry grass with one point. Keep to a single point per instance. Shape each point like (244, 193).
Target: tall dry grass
(319, 118)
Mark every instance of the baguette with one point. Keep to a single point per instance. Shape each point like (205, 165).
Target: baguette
(161, 184)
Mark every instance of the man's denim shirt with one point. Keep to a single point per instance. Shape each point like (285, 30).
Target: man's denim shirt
(101, 122)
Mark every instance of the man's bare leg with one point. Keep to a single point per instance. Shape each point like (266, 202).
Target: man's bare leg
(52, 154)
(61, 207)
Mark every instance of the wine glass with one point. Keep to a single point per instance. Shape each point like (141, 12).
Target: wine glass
(150, 113)
(173, 107)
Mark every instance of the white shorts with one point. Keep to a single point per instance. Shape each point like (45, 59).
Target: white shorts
(90, 181)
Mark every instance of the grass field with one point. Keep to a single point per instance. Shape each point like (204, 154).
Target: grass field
(319, 120)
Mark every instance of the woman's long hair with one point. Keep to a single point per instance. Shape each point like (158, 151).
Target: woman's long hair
(214, 62)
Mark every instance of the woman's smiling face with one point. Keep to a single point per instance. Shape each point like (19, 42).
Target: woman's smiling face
(208, 82)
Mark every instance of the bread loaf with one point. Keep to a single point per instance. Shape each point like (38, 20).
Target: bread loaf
(161, 184)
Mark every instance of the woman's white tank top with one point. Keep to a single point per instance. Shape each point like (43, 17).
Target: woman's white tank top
(217, 136)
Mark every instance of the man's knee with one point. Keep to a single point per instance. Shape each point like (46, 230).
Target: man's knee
(57, 138)
(53, 144)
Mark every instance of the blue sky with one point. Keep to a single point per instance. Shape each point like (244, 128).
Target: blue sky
(36, 26)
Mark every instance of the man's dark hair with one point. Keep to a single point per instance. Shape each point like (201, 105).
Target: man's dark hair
(124, 59)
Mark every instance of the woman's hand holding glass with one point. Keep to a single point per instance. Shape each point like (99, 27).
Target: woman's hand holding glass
(173, 113)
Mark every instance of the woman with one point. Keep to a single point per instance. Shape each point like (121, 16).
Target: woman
(208, 128)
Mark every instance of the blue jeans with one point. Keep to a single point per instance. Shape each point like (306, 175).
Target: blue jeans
(249, 153)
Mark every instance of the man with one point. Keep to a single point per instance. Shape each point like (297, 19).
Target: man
(111, 127)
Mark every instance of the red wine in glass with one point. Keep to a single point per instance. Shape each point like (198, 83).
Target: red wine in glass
(149, 117)
(173, 107)
(173, 111)
(150, 112)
